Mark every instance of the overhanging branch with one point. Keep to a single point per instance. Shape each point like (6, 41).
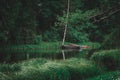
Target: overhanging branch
(104, 15)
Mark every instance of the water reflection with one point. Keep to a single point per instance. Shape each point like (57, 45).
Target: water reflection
(53, 54)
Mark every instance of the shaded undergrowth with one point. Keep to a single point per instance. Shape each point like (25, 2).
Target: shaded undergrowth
(113, 75)
(42, 69)
(102, 65)
(108, 58)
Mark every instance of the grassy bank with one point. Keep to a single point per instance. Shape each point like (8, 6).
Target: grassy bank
(70, 69)
(42, 69)
(113, 75)
(108, 58)
(102, 64)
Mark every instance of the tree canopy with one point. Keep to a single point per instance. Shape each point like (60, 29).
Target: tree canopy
(28, 21)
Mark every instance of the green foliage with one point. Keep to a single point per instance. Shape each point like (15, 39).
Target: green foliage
(51, 36)
(42, 69)
(8, 68)
(21, 21)
(108, 58)
(38, 39)
(65, 70)
(18, 20)
(82, 68)
(4, 77)
(28, 23)
(79, 27)
(114, 75)
(34, 62)
(112, 40)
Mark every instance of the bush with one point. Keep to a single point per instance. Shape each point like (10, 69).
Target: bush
(107, 76)
(82, 68)
(51, 35)
(38, 39)
(108, 58)
(4, 77)
(7, 68)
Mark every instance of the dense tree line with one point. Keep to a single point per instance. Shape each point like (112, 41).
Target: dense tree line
(32, 21)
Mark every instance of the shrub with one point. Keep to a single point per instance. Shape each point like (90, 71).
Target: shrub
(4, 77)
(107, 76)
(108, 58)
(81, 68)
(7, 68)
(51, 35)
(38, 39)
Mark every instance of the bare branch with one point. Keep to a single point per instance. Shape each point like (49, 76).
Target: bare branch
(104, 15)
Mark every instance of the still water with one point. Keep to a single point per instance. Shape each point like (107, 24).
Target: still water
(9, 55)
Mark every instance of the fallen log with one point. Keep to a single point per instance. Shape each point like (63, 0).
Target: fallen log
(74, 46)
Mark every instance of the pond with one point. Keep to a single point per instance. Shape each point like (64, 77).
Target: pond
(16, 55)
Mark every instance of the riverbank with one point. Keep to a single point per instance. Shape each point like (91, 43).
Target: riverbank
(70, 69)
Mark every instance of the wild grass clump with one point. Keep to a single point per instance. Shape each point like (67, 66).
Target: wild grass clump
(70, 69)
(9, 68)
(81, 68)
(57, 71)
(107, 76)
(4, 77)
(108, 58)
(34, 62)
(47, 71)
(31, 70)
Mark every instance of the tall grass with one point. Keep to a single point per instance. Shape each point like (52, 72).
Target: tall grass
(8, 68)
(43, 69)
(4, 77)
(114, 75)
(108, 58)
(81, 68)
(71, 69)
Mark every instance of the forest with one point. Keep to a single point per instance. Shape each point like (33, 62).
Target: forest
(32, 33)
